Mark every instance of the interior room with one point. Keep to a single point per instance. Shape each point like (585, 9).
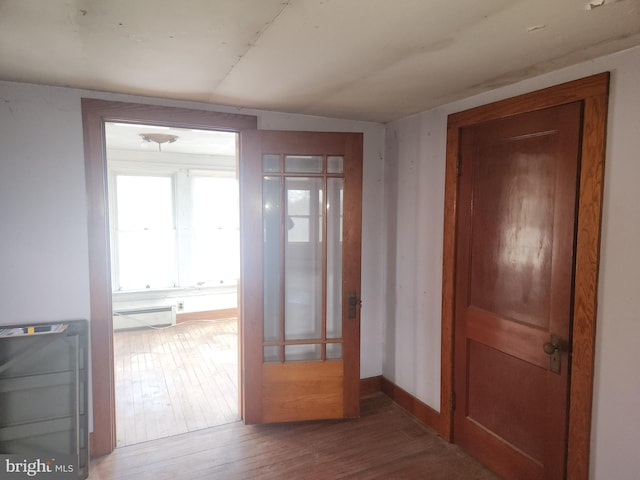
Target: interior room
(175, 273)
(398, 77)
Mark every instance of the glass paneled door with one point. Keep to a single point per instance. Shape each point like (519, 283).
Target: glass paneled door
(301, 203)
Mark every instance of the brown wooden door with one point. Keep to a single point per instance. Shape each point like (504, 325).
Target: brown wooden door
(301, 227)
(514, 275)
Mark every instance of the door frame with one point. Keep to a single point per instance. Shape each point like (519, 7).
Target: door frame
(593, 93)
(94, 113)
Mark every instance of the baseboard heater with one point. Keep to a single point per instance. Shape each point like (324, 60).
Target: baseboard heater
(136, 318)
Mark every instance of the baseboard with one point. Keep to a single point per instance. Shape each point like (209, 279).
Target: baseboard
(370, 386)
(207, 315)
(423, 412)
(411, 404)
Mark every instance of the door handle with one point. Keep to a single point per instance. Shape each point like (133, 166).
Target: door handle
(554, 350)
(352, 305)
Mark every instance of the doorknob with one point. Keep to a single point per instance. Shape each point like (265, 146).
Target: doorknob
(554, 350)
(550, 348)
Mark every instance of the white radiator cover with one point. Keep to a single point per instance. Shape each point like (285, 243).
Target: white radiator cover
(127, 319)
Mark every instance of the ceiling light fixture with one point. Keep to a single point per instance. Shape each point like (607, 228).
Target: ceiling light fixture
(159, 138)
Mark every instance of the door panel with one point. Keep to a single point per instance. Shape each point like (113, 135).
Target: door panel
(295, 390)
(518, 408)
(515, 257)
(301, 228)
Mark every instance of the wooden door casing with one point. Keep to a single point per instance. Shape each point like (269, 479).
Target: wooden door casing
(94, 114)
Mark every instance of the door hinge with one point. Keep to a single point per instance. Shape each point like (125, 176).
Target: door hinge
(459, 165)
(452, 405)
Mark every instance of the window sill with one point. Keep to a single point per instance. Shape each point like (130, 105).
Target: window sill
(173, 292)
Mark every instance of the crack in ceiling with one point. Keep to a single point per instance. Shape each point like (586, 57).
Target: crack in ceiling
(253, 43)
(360, 59)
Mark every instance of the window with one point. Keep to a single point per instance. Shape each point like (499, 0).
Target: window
(175, 230)
(173, 206)
(145, 232)
(214, 222)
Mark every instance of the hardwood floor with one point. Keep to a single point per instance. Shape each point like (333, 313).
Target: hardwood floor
(177, 418)
(175, 380)
(384, 443)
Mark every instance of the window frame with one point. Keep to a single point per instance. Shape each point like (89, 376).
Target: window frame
(182, 205)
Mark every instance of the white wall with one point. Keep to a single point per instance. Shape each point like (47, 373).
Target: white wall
(44, 272)
(414, 189)
(43, 244)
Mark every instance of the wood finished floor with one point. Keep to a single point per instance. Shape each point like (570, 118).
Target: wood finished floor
(175, 380)
(384, 443)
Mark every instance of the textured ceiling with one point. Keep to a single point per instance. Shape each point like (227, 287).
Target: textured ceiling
(361, 59)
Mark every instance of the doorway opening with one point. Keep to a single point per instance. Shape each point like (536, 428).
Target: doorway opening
(94, 115)
(175, 260)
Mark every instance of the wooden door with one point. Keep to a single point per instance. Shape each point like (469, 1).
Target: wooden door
(514, 280)
(301, 227)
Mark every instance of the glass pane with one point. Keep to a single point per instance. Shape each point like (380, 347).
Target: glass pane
(146, 259)
(270, 163)
(302, 164)
(298, 230)
(335, 164)
(298, 211)
(144, 203)
(214, 256)
(302, 352)
(298, 200)
(303, 260)
(335, 188)
(271, 257)
(334, 351)
(146, 234)
(271, 354)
